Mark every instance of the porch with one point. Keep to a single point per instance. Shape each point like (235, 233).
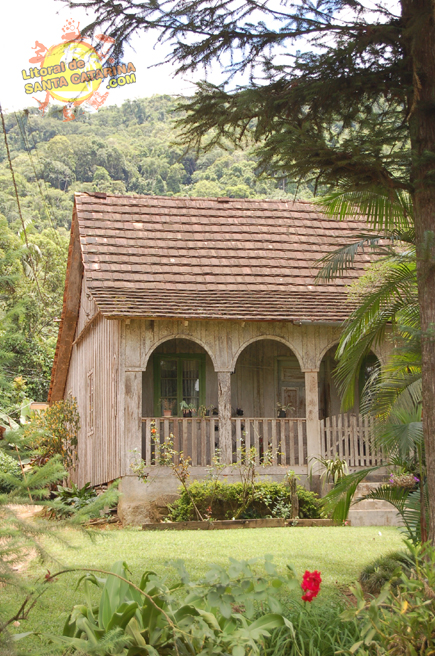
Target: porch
(266, 401)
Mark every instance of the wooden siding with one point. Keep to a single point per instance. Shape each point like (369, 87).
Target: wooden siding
(95, 361)
(88, 308)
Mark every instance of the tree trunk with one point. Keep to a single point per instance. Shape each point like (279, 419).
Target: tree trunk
(419, 19)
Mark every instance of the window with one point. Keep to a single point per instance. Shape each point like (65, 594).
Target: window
(178, 378)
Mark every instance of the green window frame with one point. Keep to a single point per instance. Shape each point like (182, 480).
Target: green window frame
(178, 376)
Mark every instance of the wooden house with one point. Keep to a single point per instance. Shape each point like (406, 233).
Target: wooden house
(201, 318)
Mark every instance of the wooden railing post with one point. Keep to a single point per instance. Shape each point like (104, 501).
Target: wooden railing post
(314, 446)
(224, 411)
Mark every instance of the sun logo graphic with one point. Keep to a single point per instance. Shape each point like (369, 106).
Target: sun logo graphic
(72, 71)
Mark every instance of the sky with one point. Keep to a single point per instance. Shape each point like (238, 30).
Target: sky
(25, 21)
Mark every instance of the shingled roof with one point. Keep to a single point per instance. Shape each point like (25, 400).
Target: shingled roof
(221, 258)
(197, 258)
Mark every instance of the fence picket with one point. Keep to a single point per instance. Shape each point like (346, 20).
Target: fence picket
(238, 439)
(203, 442)
(148, 442)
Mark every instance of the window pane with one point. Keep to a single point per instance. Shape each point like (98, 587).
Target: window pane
(191, 382)
(168, 387)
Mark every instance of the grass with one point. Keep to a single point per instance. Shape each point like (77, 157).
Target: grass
(339, 553)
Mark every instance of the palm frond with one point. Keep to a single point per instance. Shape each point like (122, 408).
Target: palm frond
(338, 501)
(412, 514)
(383, 209)
(367, 324)
(342, 259)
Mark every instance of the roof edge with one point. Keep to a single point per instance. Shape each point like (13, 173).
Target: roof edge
(70, 314)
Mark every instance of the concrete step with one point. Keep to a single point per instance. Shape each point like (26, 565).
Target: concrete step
(374, 517)
(372, 512)
(370, 504)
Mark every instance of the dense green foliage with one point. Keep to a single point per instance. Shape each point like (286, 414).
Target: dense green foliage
(401, 620)
(54, 432)
(128, 149)
(385, 569)
(120, 150)
(216, 615)
(10, 466)
(222, 500)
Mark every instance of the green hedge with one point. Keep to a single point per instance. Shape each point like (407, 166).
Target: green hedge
(271, 500)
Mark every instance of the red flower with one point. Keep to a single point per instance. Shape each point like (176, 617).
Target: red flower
(311, 585)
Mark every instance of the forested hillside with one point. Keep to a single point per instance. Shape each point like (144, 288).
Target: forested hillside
(123, 150)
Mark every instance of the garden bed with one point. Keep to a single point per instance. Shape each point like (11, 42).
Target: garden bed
(219, 525)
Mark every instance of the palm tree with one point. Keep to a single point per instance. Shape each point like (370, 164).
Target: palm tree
(392, 394)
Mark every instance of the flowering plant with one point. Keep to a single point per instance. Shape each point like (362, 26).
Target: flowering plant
(404, 480)
(311, 585)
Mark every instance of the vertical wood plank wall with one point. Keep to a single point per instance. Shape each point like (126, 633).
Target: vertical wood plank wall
(99, 450)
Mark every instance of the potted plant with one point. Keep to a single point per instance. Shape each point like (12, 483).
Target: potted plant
(211, 410)
(188, 409)
(167, 408)
(282, 409)
(202, 411)
(239, 412)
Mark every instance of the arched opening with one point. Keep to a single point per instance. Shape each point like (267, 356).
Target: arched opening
(268, 382)
(268, 403)
(179, 381)
(329, 395)
(179, 399)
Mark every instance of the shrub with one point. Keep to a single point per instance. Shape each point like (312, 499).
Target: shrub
(222, 500)
(385, 569)
(72, 499)
(82, 503)
(54, 432)
(401, 620)
(224, 613)
(10, 467)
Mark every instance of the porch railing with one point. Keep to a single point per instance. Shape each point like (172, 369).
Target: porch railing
(286, 438)
(198, 438)
(350, 437)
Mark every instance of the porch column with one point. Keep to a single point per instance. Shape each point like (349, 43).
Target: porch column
(224, 412)
(132, 437)
(314, 447)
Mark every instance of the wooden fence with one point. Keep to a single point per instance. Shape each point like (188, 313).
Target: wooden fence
(349, 436)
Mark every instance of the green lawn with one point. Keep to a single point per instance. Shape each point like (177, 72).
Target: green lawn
(339, 553)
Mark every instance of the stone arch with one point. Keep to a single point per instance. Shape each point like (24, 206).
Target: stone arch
(267, 337)
(188, 337)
